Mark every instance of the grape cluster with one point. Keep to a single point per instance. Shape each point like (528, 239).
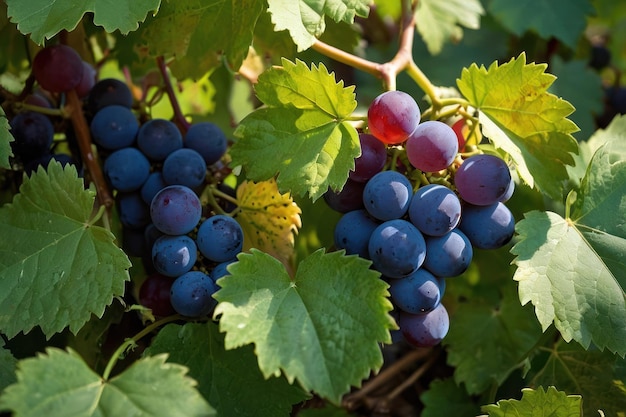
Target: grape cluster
(418, 233)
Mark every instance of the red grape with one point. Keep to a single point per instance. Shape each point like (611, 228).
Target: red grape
(58, 68)
(393, 116)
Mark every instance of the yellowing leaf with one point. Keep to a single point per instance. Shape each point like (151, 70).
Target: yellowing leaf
(270, 220)
(518, 115)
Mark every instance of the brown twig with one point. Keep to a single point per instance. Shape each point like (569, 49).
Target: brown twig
(83, 137)
(179, 117)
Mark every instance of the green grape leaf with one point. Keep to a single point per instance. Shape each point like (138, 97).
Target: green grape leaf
(439, 22)
(229, 380)
(59, 383)
(302, 133)
(614, 132)
(508, 332)
(5, 141)
(519, 115)
(322, 328)
(446, 398)
(595, 375)
(269, 220)
(43, 19)
(181, 29)
(305, 19)
(7, 368)
(563, 19)
(57, 268)
(538, 402)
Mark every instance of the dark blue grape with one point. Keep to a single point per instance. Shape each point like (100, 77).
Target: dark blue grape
(158, 138)
(397, 248)
(353, 231)
(448, 255)
(220, 238)
(133, 242)
(184, 167)
(348, 199)
(417, 293)
(114, 127)
(175, 210)
(387, 195)
(435, 210)
(127, 169)
(208, 139)
(191, 294)
(220, 270)
(482, 179)
(134, 212)
(150, 234)
(108, 92)
(44, 161)
(488, 227)
(172, 256)
(152, 186)
(33, 133)
(425, 330)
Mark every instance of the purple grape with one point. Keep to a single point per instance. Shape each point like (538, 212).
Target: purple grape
(397, 248)
(417, 293)
(387, 195)
(58, 68)
(448, 255)
(184, 167)
(172, 256)
(348, 199)
(372, 159)
(488, 227)
(191, 294)
(158, 138)
(208, 139)
(435, 210)
(175, 210)
(432, 146)
(393, 116)
(154, 293)
(33, 133)
(353, 231)
(114, 127)
(425, 330)
(220, 238)
(482, 179)
(87, 80)
(127, 169)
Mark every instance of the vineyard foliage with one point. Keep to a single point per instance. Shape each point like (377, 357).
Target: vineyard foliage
(537, 327)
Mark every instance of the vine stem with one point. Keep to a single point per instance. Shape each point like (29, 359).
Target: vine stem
(132, 341)
(83, 137)
(179, 117)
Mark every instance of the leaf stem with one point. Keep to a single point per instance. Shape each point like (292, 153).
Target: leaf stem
(179, 117)
(129, 342)
(83, 137)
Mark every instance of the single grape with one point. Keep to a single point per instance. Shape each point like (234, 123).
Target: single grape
(127, 169)
(191, 294)
(397, 248)
(435, 210)
(134, 212)
(425, 330)
(348, 199)
(221, 270)
(107, 92)
(488, 227)
(220, 238)
(353, 231)
(175, 210)
(372, 159)
(460, 127)
(417, 293)
(387, 195)
(150, 234)
(393, 116)
(158, 138)
(600, 57)
(33, 133)
(58, 68)
(482, 179)
(208, 139)
(114, 127)
(154, 293)
(133, 242)
(172, 256)
(184, 167)
(152, 186)
(87, 80)
(38, 99)
(432, 146)
(448, 255)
